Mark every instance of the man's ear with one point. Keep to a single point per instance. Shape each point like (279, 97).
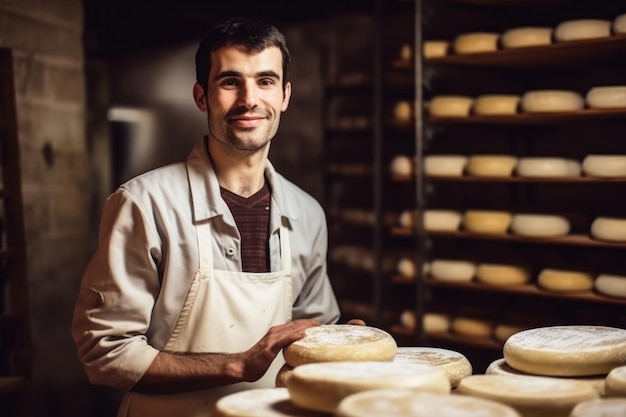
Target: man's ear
(199, 97)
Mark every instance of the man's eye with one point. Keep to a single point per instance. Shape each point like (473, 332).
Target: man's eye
(267, 82)
(230, 82)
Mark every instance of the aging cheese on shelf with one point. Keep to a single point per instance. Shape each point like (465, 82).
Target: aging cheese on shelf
(442, 220)
(564, 280)
(455, 365)
(472, 327)
(496, 104)
(606, 97)
(501, 274)
(601, 407)
(341, 342)
(450, 106)
(611, 285)
(604, 166)
(529, 395)
(619, 24)
(402, 165)
(611, 229)
(491, 165)
(445, 165)
(452, 270)
(503, 331)
(547, 167)
(260, 402)
(322, 386)
(575, 350)
(573, 30)
(526, 36)
(406, 52)
(435, 48)
(551, 101)
(436, 322)
(403, 111)
(615, 383)
(406, 403)
(470, 43)
(407, 218)
(540, 225)
(487, 221)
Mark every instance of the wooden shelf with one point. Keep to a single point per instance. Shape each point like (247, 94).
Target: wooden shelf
(449, 338)
(512, 179)
(534, 118)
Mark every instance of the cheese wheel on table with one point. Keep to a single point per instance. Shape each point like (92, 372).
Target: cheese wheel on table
(260, 402)
(607, 97)
(450, 106)
(487, 221)
(407, 403)
(435, 48)
(491, 165)
(551, 101)
(322, 386)
(526, 36)
(452, 270)
(496, 104)
(470, 43)
(573, 30)
(442, 220)
(602, 407)
(574, 350)
(547, 167)
(539, 225)
(341, 342)
(615, 383)
(283, 375)
(611, 285)
(531, 396)
(445, 165)
(604, 166)
(619, 24)
(564, 280)
(454, 364)
(611, 229)
(501, 274)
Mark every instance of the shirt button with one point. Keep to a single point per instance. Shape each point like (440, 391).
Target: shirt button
(230, 252)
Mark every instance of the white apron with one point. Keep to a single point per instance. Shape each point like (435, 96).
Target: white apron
(224, 312)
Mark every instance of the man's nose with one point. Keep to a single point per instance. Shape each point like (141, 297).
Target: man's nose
(249, 95)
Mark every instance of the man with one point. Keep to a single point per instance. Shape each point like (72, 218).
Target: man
(206, 269)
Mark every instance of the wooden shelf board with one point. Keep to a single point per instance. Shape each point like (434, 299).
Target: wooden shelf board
(9, 384)
(511, 179)
(533, 118)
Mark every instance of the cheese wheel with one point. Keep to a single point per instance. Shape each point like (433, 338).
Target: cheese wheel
(565, 281)
(610, 229)
(575, 350)
(500, 367)
(526, 36)
(551, 101)
(539, 225)
(619, 24)
(341, 342)
(573, 30)
(455, 365)
(487, 221)
(445, 165)
(451, 106)
(406, 52)
(605, 166)
(547, 167)
(530, 395)
(491, 165)
(321, 386)
(402, 165)
(452, 270)
(611, 285)
(435, 323)
(470, 43)
(435, 49)
(260, 402)
(472, 327)
(407, 403)
(607, 97)
(442, 220)
(403, 111)
(283, 374)
(496, 104)
(502, 275)
(503, 331)
(615, 383)
(408, 218)
(602, 407)
(408, 321)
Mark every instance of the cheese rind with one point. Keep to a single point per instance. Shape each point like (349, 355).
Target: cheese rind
(442, 220)
(283, 374)
(602, 407)
(470, 43)
(611, 285)
(547, 167)
(491, 165)
(550, 101)
(619, 24)
(605, 166)
(564, 280)
(472, 327)
(450, 106)
(526, 36)
(610, 229)
(487, 221)
(435, 48)
(452, 270)
(445, 165)
(540, 225)
(496, 104)
(402, 165)
(341, 342)
(573, 30)
(260, 402)
(615, 383)
(575, 350)
(436, 322)
(502, 275)
(606, 97)
(455, 365)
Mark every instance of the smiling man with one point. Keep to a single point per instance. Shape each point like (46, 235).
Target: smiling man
(207, 268)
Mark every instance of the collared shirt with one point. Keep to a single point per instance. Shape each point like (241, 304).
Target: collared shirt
(135, 285)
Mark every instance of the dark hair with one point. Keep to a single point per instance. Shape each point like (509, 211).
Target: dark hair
(252, 35)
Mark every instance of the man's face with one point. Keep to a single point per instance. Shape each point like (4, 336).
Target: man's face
(245, 98)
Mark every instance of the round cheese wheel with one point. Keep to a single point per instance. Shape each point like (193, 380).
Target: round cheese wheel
(435, 323)
(406, 52)
(575, 350)
(609, 228)
(408, 321)
(283, 375)
(550, 101)
(573, 30)
(487, 221)
(491, 165)
(526, 36)
(402, 165)
(605, 166)
(502, 275)
(503, 331)
(408, 218)
(565, 281)
(442, 220)
(321, 386)
(615, 383)
(500, 367)
(407, 403)
(529, 395)
(435, 48)
(260, 402)
(341, 342)
(451, 106)
(608, 97)
(472, 327)
(445, 165)
(611, 285)
(619, 24)
(539, 225)
(602, 407)
(455, 365)
(496, 104)
(403, 111)
(547, 167)
(452, 270)
(469, 43)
